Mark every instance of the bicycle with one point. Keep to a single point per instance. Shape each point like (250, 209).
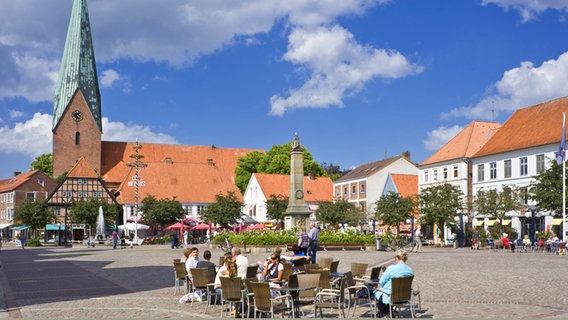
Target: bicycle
(227, 246)
(401, 242)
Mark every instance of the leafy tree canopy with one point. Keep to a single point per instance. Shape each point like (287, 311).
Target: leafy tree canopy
(333, 171)
(276, 161)
(162, 211)
(225, 210)
(392, 209)
(34, 214)
(276, 205)
(87, 211)
(43, 163)
(497, 203)
(338, 212)
(546, 190)
(439, 204)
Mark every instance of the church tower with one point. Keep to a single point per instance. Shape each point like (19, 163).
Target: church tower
(77, 123)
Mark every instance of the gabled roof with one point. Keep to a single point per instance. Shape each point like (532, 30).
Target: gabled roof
(318, 189)
(82, 169)
(537, 125)
(367, 169)
(15, 182)
(406, 184)
(193, 174)
(466, 143)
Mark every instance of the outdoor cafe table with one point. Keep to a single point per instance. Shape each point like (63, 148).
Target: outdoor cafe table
(295, 293)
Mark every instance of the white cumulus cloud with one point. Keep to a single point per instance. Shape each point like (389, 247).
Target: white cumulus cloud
(520, 87)
(439, 137)
(338, 65)
(110, 78)
(33, 137)
(16, 114)
(530, 8)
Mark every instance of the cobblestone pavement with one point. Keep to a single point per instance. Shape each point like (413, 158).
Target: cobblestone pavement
(100, 282)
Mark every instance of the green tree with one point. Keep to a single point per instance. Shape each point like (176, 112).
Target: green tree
(497, 203)
(439, 204)
(392, 209)
(276, 205)
(338, 212)
(546, 190)
(334, 172)
(43, 163)
(87, 212)
(225, 209)
(162, 211)
(275, 161)
(35, 214)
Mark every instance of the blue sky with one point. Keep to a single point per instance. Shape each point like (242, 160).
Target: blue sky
(358, 80)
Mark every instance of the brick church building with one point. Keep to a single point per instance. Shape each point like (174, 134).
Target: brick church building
(104, 169)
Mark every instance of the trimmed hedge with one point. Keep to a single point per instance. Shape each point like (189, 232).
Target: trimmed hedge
(281, 237)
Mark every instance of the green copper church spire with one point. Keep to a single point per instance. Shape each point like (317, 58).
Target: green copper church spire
(78, 69)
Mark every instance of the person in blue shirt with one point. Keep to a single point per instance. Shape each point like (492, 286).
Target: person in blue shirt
(398, 269)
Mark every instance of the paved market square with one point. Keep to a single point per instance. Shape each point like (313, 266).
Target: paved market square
(81, 282)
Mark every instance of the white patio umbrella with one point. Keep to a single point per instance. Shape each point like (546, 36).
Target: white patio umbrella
(131, 226)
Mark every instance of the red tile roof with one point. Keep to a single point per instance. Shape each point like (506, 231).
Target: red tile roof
(13, 183)
(82, 169)
(191, 174)
(406, 184)
(537, 125)
(466, 143)
(319, 189)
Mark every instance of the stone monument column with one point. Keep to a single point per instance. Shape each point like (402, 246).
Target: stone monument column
(298, 212)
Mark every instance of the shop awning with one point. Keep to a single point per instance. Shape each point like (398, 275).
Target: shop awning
(506, 222)
(479, 223)
(20, 228)
(491, 222)
(5, 225)
(54, 227)
(557, 222)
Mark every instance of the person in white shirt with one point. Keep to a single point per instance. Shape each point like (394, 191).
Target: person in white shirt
(418, 240)
(192, 259)
(241, 261)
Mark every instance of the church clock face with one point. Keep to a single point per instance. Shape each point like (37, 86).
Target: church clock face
(77, 115)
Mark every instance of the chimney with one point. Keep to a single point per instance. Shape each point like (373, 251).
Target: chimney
(406, 154)
(17, 173)
(311, 176)
(210, 162)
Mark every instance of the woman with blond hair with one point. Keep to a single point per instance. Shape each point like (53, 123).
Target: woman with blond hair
(398, 269)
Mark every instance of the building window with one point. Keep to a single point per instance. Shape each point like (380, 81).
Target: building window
(507, 168)
(456, 172)
(345, 191)
(480, 172)
(10, 213)
(539, 163)
(353, 189)
(425, 175)
(524, 166)
(524, 195)
(30, 196)
(493, 170)
(445, 173)
(199, 210)
(362, 188)
(435, 175)
(77, 138)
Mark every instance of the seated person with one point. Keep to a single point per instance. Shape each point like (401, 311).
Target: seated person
(264, 265)
(399, 269)
(507, 243)
(206, 262)
(228, 269)
(275, 269)
(526, 242)
(297, 255)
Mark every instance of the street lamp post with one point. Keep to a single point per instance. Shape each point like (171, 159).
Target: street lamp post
(459, 219)
(532, 227)
(137, 165)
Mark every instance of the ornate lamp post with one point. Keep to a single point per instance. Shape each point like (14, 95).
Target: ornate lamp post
(137, 165)
(532, 227)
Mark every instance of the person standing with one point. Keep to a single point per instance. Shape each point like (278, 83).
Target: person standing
(314, 242)
(475, 240)
(418, 240)
(186, 238)
(114, 238)
(23, 240)
(304, 240)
